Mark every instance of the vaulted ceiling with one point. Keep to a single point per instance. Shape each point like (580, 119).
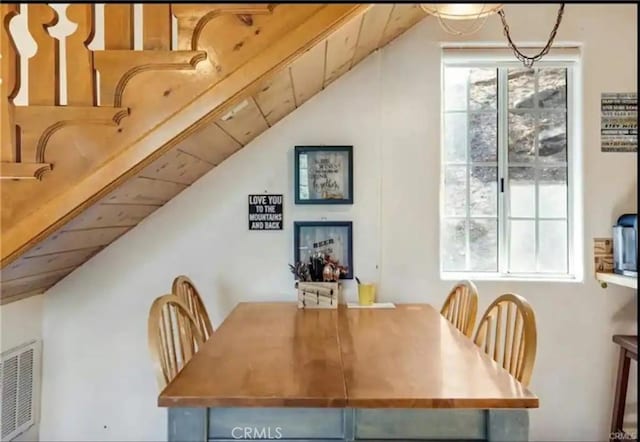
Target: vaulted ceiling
(93, 225)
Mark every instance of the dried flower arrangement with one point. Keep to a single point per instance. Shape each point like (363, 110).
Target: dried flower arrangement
(321, 268)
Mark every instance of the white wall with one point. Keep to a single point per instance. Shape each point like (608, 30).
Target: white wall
(20, 323)
(98, 380)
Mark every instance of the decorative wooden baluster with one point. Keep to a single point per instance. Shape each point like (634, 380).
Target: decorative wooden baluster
(79, 62)
(10, 82)
(186, 22)
(44, 84)
(118, 26)
(156, 26)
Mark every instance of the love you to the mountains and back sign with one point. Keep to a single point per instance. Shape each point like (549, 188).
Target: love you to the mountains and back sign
(265, 212)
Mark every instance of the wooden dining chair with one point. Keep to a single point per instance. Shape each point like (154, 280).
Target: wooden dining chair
(461, 306)
(173, 337)
(184, 288)
(507, 332)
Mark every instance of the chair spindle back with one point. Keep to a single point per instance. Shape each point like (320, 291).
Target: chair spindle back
(173, 336)
(461, 306)
(507, 332)
(186, 290)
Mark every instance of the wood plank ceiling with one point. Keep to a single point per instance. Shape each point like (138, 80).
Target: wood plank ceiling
(78, 240)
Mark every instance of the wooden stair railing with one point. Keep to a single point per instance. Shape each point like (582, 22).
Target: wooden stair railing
(28, 129)
(126, 107)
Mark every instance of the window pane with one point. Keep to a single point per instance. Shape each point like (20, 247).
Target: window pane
(483, 243)
(484, 191)
(521, 137)
(455, 132)
(483, 84)
(455, 88)
(536, 173)
(552, 88)
(455, 195)
(552, 137)
(552, 191)
(522, 246)
(454, 248)
(521, 88)
(484, 143)
(553, 247)
(522, 192)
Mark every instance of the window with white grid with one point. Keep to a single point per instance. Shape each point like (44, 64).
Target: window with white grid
(507, 190)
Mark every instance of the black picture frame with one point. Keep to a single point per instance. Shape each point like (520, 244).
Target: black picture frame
(304, 195)
(346, 243)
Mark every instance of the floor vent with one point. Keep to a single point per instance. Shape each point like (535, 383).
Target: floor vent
(17, 382)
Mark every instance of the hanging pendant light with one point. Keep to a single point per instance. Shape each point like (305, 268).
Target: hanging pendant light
(461, 11)
(479, 13)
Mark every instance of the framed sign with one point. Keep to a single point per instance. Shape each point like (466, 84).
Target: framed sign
(265, 212)
(323, 174)
(619, 122)
(333, 238)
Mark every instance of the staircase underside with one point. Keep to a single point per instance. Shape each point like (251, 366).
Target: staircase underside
(208, 142)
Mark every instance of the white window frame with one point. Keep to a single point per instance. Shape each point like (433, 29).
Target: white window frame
(501, 58)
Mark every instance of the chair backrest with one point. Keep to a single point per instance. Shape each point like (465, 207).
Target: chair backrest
(507, 332)
(184, 288)
(461, 306)
(173, 336)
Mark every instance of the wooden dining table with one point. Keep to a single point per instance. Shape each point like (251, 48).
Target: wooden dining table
(273, 371)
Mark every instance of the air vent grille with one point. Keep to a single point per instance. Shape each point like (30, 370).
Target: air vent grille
(17, 369)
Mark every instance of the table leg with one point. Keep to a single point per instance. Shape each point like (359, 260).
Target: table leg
(187, 424)
(620, 395)
(507, 425)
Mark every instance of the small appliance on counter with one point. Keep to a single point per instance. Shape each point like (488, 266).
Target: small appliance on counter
(625, 245)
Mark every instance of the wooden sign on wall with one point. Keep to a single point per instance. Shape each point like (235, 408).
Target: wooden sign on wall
(265, 212)
(619, 126)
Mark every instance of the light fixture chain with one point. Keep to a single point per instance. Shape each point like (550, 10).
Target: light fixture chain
(479, 22)
(525, 59)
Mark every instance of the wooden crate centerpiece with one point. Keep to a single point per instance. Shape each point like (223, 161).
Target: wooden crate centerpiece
(318, 294)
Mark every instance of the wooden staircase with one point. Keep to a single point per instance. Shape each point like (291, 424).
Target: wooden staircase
(140, 125)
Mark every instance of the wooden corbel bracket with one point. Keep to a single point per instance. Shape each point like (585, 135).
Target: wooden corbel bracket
(38, 123)
(193, 17)
(117, 67)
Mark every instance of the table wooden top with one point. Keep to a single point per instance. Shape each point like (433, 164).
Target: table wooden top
(411, 357)
(265, 354)
(273, 354)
